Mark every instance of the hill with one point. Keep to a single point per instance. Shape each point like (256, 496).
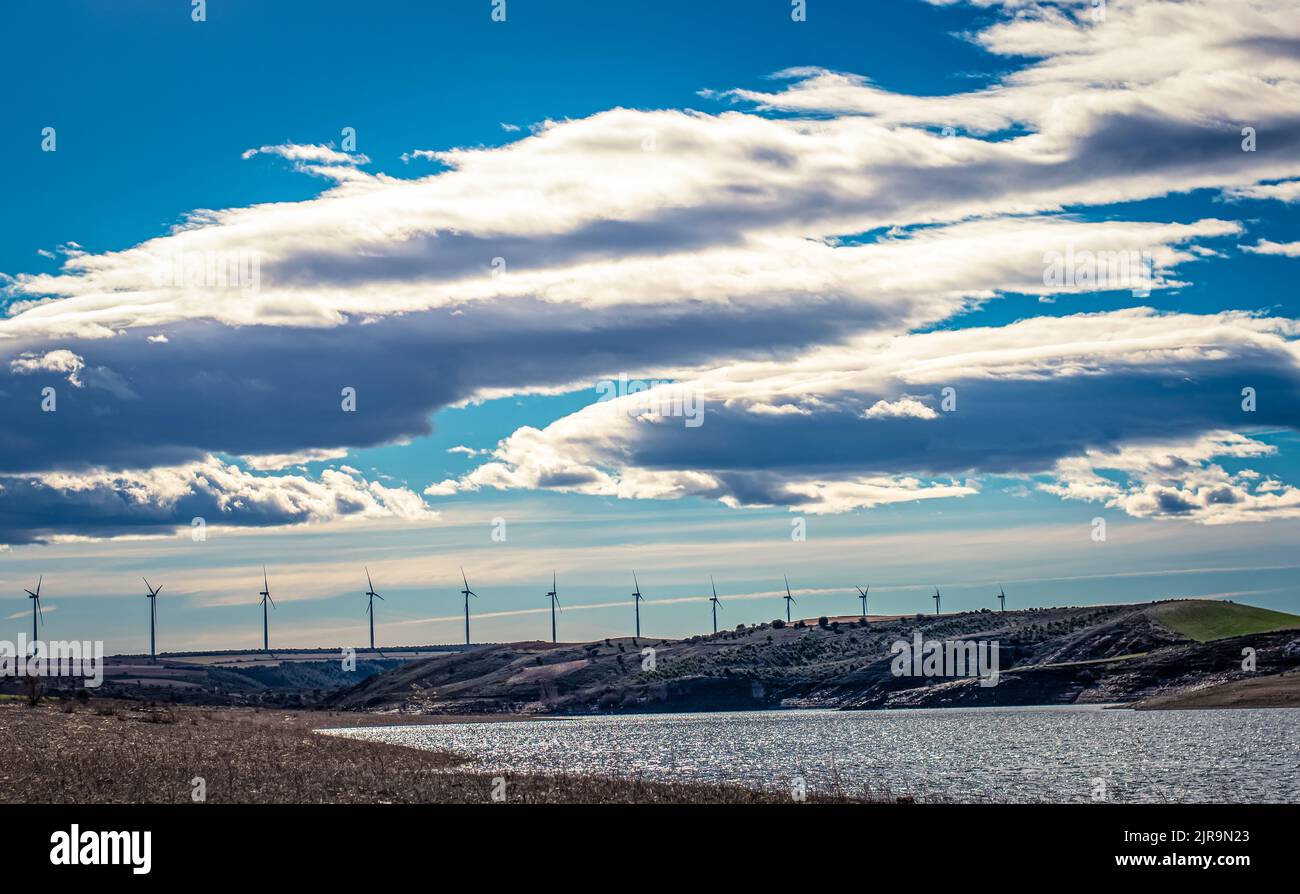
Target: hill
(1204, 621)
(284, 677)
(1094, 654)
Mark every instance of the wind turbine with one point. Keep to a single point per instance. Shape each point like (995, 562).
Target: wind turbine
(936, 600)
(1002, 597)
(36, 606)
(637, 599)
(716, 602)
(555, 601)
(153, 613)
(266, 597)
(862, 594)
(467, 592)
(788, 599)
(370, 607)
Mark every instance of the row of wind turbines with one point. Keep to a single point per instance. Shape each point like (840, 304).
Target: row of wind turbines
(552, 595)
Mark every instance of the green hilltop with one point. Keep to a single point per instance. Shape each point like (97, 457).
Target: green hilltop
(1205, 620)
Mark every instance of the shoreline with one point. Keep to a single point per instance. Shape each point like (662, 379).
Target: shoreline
(127, 753)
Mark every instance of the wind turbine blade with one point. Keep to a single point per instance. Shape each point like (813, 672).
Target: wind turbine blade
(38, 585)
(380, 598)
(157, 591)
(369, 585)
(463, 577)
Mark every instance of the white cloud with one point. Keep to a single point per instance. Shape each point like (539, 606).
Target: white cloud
(1287, 191)
(1030, 397)
(158, 500)
(1265, 247)
(1178, 480)
(905, 406)
(741, 252)
(62, 362)
(309, 153)
(276, 461)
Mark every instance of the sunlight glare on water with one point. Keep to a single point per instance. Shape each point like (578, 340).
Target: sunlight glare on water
(989, 754)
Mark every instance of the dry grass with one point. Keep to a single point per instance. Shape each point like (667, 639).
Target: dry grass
(109, 752)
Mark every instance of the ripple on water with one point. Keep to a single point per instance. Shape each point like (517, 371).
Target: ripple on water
(983, 754)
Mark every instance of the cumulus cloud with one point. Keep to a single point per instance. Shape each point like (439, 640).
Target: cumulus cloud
(157, 501)
(1287, 191)
(1178, 481)
(793, 256)
(1267, 247)
(901, 408)
(61, 362)
(275, 461)
(1027, 398)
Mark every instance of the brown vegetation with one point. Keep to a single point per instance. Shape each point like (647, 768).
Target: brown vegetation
(1271, 691)
(118, 752)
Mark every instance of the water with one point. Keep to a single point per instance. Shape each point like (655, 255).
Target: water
(1057, 754)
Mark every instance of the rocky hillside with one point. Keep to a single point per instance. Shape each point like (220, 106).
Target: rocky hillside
(1046, 656)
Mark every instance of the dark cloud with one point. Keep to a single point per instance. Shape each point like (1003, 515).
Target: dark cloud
(1000, 427)
(258, 389)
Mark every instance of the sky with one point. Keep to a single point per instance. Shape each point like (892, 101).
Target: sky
(964, 294)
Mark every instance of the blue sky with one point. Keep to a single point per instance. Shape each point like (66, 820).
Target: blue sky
(813, 226)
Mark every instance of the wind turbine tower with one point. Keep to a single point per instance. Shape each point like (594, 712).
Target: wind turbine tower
(153, 614)
(36, 607)
(370, 607)
(936, 600)
(467, 592)
(266, 597)
(862, 594)
(555, 602)
(637, 599)
(716, 602)
(1002, 597)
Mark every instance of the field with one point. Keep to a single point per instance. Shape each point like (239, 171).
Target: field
(1271, 691)
(1206, 621)
(119, 752)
